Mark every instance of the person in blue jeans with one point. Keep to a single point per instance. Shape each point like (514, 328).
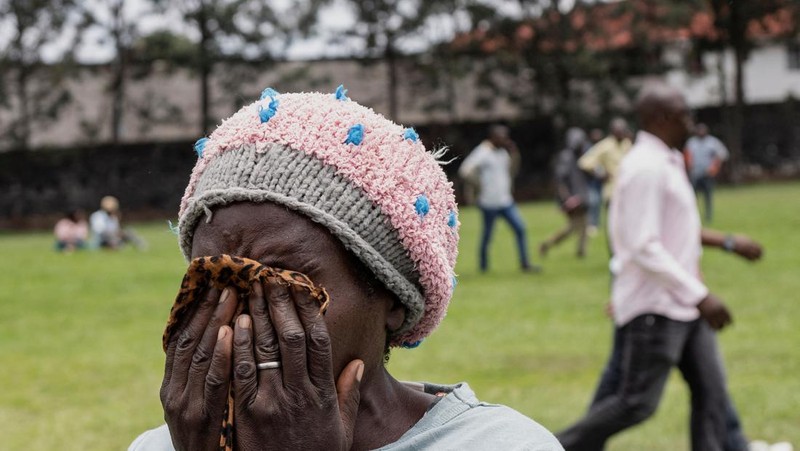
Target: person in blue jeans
(491, 166)
(704, 156)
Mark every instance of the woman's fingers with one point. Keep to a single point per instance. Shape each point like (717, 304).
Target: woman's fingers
(291, 336)
(267, 349)
(318, 342)
(349, 395)
(244, 369)
(201, 360)
(188, 339)
(218, 377)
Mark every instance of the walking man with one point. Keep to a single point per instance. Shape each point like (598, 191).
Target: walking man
(572, 193)
(663, 313)
(493, 164)
(705, 155)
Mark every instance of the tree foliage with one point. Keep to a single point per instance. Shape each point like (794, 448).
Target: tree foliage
(735, 26)
(389, 31)
(238, 30)
(119, 31)
(30, 94)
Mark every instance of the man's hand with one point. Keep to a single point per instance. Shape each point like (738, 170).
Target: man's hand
(741, 245)
(510, 145)
(714, 312)
(747, 248)
(572, 203)
(713, 168)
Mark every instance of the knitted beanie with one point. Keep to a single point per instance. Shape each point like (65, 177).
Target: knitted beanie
(369, 181)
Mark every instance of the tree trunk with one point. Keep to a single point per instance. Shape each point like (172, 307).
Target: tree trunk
(205, 70)
(737, 120)
(22, 132)
(118, 84)
(728, 129)
(738, 42)
(450, 87)
(391, 66)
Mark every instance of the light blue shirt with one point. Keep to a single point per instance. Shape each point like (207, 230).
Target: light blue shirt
(458, 421)
(704, 151)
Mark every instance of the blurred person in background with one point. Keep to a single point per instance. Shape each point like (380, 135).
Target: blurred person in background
(664, 315)
(71, 231)
(595, 185)
(602, 159)
(107, 232)
(704, 157)
(493, 164)
(572, 193)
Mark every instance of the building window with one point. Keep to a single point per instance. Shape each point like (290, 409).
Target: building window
(793, 54)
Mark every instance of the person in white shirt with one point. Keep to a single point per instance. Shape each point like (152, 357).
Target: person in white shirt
(664, 314)
(106, 230)
(492, 165)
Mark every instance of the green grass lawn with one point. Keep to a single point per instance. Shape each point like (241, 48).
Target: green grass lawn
(80, 334)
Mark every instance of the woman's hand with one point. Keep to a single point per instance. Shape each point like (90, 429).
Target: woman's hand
(197, 374)
(298, 405)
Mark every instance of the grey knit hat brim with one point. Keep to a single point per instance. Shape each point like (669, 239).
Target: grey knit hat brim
(287, 177)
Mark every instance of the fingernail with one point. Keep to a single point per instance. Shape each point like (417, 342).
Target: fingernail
(360, 371)
(243, 321)
(226, 293)
(223, 331)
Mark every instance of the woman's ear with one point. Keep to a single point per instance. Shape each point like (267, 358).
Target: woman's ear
(395, 316)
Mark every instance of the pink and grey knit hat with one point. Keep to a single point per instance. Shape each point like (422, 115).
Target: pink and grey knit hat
(369, 181)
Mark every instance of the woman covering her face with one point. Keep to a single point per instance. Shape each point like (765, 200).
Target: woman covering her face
(317, 184)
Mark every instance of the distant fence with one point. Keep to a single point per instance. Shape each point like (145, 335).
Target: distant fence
(38, 186)
(148, 179)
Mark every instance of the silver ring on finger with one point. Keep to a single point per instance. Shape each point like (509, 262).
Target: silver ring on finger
(269, 365)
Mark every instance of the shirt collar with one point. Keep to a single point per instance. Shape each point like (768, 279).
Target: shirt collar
(489, 144)
(655, 143)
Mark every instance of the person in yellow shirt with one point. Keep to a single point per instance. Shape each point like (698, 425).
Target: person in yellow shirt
(603, 159)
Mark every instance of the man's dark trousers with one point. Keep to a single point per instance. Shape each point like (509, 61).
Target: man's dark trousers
(649, 346)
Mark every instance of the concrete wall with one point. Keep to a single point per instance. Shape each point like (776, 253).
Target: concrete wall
(768, 78)
(164, 105)
(39, 186)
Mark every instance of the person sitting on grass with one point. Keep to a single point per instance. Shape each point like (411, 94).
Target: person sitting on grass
(107, 233)
(317, 184)
(71, 232)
